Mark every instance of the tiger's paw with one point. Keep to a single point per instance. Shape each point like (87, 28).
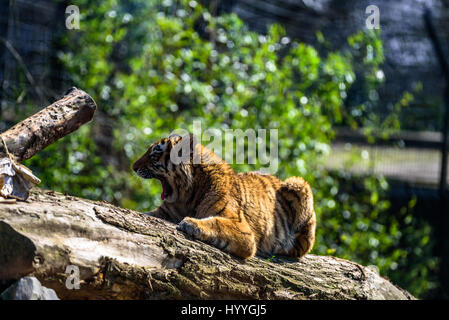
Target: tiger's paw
(188, 226)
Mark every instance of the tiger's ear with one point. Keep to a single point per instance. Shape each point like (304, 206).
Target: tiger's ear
(184, 148)
(175, 138)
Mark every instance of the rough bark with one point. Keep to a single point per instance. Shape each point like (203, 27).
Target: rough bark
(123, 254)
(43, 128)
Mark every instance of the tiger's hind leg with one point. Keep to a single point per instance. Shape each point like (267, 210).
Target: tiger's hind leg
(298, 195)
(304, 240)
(224, 233)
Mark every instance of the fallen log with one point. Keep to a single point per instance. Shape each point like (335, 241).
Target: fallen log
(43, 128)
(123, 254)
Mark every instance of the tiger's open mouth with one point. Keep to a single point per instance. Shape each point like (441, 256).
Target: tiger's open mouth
(147, 174)
(166, 188)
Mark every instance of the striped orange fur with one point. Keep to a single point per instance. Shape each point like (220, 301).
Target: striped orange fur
(240, 213)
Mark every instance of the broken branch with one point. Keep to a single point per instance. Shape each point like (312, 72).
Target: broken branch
(43, 128)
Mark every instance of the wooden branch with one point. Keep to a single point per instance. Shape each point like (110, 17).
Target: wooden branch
(123, 254)
(36, 132)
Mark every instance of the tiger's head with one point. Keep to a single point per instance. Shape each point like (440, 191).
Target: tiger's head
(160, 162)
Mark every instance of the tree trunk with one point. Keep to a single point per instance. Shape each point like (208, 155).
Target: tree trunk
(123, 254)
(43, 128)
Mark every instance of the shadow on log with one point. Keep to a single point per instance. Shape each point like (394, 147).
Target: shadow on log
(123, 254)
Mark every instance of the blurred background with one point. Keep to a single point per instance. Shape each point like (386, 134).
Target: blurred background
(359, 112)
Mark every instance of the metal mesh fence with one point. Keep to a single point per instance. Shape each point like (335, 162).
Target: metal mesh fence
(31, 29)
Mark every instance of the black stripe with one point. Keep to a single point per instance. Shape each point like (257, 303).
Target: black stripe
(261, 239)
(244, 192)
(191, 198)
(165, 211)
(240, 215)
(167, 157)
(157, 166)
(221, 211)
(164, 168)
(299, 245)
(262, 181)
(184, 173)
(238, 190)
(209, 207)
(276, 228)
(176, 177)
(290, 212)
(285, 223)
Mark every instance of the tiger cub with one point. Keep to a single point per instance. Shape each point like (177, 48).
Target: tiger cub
(240, 213)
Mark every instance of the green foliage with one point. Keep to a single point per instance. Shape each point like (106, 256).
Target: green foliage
(155, 66)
